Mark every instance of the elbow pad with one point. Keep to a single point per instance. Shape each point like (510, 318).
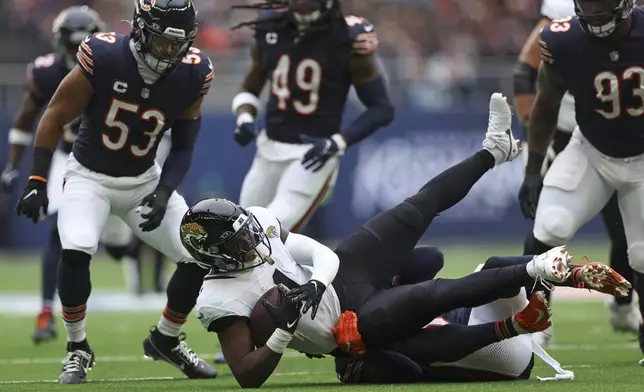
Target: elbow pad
(524, 79)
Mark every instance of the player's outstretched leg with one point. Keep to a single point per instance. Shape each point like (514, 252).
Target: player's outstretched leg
(390, 237)
(166, 341)
(403, 310)
(45, 325)
(74, 290)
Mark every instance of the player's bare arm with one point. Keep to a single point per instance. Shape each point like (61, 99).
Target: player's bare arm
(545, 112)
(250, 367)
(246, 105)
(525, 73)
(69, 101)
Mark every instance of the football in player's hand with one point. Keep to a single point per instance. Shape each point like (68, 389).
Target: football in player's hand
(261, 323)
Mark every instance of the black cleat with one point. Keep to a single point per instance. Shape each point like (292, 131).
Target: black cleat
(176, 352)
(45, 328)
(79, 360)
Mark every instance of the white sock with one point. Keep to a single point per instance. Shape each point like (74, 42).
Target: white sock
(75, 331)
(168, 327)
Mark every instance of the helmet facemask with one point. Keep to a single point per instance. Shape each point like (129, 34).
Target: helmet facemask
(244, 248)
(162, 51)
(308, 12)
(601, 17)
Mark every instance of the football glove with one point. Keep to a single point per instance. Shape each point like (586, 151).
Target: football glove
(347, 336)
(529, 194)
(310, 294)
(7, 182)
(286, 315)
(157, 202)
(245, 133)
(34, 202)
(323, 149)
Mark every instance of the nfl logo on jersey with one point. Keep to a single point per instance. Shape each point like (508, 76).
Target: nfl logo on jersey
(614, 56)
(145, 93)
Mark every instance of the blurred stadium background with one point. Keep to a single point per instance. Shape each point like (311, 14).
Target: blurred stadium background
(443, 58)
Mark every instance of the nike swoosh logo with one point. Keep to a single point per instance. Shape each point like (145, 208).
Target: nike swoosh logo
(33, 192)
(291, 324)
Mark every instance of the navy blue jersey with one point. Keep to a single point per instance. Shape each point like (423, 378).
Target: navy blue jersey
(44, 74)
(125, 118)
(309, 76)
(606, 80)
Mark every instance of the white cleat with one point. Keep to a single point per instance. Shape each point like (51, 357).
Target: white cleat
(543, 338)
(623, 318)
(499, 140)
(551, 266)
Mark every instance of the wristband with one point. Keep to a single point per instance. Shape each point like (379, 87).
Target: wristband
(279, 340)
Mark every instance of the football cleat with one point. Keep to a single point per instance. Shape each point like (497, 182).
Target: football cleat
(45, 328)
(176, 352)
(499, 140)
(599, 277)
(76, 365)
(551, 266)
(536, 316)
(623, 318)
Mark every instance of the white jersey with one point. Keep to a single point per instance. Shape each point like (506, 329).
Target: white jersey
(238, 293)
(557, 9)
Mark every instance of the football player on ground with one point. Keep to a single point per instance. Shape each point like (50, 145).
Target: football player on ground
(44, 75)
(596, 56)
(130, 90)
(311, 55)
(624, 314)
(251, 253)
(511, 359)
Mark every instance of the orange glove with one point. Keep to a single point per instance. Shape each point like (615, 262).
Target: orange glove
(347, 336)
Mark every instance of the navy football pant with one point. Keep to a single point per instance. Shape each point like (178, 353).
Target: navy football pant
(380, 249)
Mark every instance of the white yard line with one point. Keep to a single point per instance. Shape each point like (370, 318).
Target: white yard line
(129, 379)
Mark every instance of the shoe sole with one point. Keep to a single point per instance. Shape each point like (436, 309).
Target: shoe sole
(604, 279)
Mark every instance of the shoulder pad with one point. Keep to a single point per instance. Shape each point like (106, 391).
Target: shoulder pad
(557, 9)
(553, 38)
(362, 34)
(265, 218)
(92, 48)
(203, 66)
(41, 74)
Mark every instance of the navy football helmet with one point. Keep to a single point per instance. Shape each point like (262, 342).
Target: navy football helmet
(163, 32)
(70, 28)
(601, 17)
(219, 233)
(308, 12)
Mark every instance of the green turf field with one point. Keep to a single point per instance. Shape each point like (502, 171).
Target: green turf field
(600, 359)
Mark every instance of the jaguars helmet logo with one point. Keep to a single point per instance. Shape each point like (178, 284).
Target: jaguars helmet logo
(271, 232)
(193, 229)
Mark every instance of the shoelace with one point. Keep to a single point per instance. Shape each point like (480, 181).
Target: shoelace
(186, 352)
(72, 362)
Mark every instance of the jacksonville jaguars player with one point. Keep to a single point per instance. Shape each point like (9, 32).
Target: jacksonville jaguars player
(597, 57)
(130, 90)
(251, 253)
(311, 55)
(44, 75)
(624, 314)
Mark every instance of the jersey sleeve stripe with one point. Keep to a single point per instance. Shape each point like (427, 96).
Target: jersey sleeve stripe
(84, 57)
(209, 77)
(83, 64)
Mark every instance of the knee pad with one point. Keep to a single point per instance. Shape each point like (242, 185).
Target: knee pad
(554, 226)
(75, 258)
(116, 252)
(636, 256)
